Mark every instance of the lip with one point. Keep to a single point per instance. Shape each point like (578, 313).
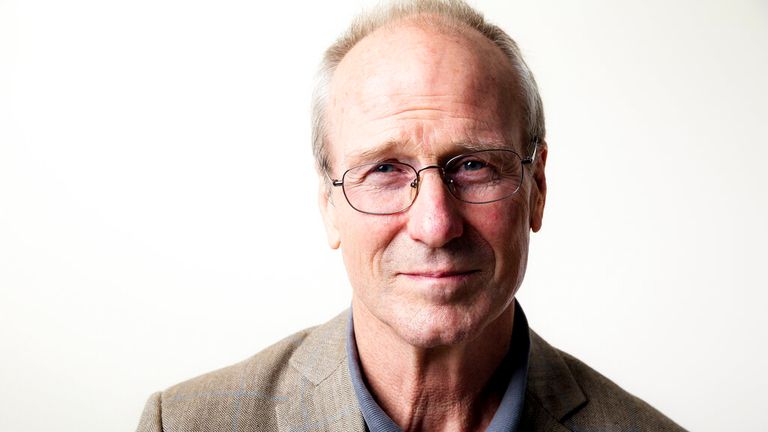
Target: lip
(440, 274)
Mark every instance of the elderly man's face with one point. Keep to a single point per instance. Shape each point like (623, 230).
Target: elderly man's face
(441, 271)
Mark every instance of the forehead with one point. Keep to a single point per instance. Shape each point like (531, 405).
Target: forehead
(422, 86)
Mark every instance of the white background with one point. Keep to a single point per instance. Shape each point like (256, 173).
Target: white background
(158, 213)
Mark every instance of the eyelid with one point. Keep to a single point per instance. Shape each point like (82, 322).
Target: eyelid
(373, 166)
(458, 159)
(389, 161)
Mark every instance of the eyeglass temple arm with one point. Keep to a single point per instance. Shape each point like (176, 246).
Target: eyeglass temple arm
(532, 157)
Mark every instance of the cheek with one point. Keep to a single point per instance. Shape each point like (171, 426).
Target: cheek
(503, 221)
(505, 228)
(364, 238)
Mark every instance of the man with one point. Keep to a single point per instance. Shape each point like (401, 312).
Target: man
(430, 142)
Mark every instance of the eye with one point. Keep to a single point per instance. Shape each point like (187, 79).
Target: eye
(474, 169)
(381, 173)
(385, 168)
(473, 165)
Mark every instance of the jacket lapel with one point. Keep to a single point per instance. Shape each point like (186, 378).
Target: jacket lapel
(322, 397)
(552, 393)
(537, 419)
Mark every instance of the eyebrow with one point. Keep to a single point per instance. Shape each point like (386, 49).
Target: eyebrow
(395, 147)
(379, 152)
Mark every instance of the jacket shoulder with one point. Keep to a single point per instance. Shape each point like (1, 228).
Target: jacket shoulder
(242, 396)
(261, 369)
(609, 407)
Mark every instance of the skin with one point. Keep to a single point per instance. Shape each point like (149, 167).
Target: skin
(433, 287)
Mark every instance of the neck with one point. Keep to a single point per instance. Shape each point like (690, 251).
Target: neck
(442, 388)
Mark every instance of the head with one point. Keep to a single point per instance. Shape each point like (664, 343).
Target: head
(420, 83)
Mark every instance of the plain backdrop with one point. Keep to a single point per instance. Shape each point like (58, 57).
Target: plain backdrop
(158, 211)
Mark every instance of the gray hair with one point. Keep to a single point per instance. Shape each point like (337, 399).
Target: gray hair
(454, 13)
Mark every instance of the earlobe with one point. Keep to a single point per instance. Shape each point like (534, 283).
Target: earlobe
(539, 190)
(328, 211)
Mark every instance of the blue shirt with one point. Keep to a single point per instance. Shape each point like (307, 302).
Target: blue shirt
(507, 416)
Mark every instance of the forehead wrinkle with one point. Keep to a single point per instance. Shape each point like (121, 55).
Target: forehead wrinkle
(418, 107)
(415, 107)
(419, 141)
(468, 95)
(473, 95)
(392, 148)
(379, 152)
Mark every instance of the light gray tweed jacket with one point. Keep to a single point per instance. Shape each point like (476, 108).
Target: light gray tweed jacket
(302, 384)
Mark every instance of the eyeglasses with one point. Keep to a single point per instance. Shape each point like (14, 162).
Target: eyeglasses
(384, 188)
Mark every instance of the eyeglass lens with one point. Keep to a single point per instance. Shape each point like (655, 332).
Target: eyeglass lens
(391, 187)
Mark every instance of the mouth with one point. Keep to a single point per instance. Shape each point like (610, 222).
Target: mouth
(440, 287)
(440, 275)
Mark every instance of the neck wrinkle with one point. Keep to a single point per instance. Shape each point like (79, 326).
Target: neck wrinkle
(456, 387)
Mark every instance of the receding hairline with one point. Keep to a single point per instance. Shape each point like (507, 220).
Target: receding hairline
(474, 43)
(432, 22)
(428, 20)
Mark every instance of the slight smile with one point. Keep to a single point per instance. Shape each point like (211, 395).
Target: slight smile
(443, 275)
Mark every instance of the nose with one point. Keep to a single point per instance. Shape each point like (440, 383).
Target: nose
(434, 218)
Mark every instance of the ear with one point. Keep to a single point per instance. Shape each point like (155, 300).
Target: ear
(539, 189)
(328, 210)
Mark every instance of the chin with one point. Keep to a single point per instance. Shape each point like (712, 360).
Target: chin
(432, 327)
